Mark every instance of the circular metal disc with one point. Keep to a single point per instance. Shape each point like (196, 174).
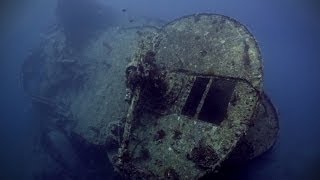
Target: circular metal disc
(211, 44)
(260, 137)
(263, 134)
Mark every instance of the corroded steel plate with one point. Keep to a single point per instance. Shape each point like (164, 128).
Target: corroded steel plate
(216, 68)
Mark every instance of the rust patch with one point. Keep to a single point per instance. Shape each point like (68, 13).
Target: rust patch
(203, 156)
(170, 173)
(177, 134)
(159, 135)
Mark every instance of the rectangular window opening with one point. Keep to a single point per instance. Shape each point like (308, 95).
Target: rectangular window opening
(216, 103)
(194, 98)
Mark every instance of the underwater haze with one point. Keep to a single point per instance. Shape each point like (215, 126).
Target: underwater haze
(288, 34)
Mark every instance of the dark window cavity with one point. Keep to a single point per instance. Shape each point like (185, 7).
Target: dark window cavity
(194, 98)
(216, 103)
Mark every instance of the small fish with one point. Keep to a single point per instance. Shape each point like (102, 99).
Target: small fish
(131, 20)
(124, 10)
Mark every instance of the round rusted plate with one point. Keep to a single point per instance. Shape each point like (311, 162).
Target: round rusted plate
(211, 44)
(263, 134)
(260, 137)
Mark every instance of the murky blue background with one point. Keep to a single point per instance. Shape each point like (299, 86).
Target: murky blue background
(288, 33)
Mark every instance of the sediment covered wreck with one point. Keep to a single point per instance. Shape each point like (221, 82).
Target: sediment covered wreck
(173, 101)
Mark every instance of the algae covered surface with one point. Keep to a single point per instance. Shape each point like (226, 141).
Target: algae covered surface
(83, 90)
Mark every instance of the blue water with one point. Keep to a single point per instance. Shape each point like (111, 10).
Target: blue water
(288, 33)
